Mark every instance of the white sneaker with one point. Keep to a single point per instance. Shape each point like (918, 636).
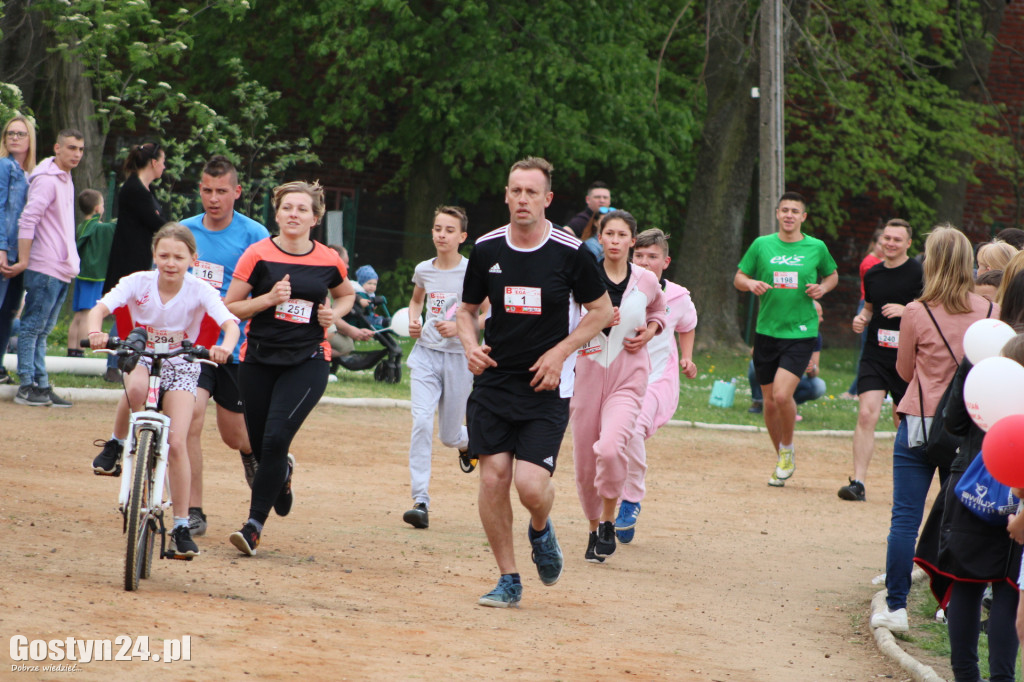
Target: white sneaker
(786, 464)
(894, 621)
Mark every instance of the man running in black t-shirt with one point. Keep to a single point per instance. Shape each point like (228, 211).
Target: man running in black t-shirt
(535, 275)
(888, 287)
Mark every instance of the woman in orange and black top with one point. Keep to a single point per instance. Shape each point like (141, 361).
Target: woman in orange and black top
(280, 285)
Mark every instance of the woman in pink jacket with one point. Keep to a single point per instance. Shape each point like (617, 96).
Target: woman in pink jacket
(611, 380)
(930, 349)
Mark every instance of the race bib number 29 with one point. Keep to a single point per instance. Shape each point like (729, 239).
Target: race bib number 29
(523, 300)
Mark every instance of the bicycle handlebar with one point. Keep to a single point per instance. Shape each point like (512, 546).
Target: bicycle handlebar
(126, 348)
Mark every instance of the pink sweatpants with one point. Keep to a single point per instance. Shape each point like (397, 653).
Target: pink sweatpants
(659, 405)
(603, 413)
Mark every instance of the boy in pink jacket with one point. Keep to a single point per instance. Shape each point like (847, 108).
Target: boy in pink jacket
(662, 399)
(48, 256)
(611, 380)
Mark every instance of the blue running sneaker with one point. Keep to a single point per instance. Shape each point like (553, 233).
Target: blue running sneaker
(625, 522)
(506, 594)
(548, 556)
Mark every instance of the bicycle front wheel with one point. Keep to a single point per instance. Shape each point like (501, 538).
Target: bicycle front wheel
(138, 522)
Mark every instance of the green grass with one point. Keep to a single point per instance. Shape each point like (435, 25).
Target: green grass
(828, 412)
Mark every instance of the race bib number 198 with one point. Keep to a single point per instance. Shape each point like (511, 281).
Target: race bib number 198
(294, 310)
(522, 300)
(785, 280)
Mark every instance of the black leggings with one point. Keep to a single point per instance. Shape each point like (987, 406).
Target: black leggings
(278, 399)
(963, 618)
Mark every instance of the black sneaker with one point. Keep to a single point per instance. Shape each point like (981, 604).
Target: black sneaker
(605, 543)
(246, 540)
(182, 545)
(756, 407)
(5, 378)
(466, 461)
(112, 375)
(591, 555)
(56, 400)
(32, 396)
(196, 521)
(417, 517)
(108, 462)
(249, 466)
(285, 498)
(853, 492)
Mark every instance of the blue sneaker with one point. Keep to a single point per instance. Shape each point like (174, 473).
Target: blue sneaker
(625, 522)
(506, 594)
(548, 556)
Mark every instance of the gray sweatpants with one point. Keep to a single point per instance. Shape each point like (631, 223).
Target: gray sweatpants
(440, 381)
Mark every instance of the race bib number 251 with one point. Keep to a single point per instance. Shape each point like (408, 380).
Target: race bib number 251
(294, 310)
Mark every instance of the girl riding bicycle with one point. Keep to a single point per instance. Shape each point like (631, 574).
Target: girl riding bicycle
(170, 303)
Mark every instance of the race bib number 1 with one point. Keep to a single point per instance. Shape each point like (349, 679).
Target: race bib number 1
(888, 338)
(523, 300)
(785, 280)
(294, 310)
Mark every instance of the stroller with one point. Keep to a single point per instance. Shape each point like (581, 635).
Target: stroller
(387, 361)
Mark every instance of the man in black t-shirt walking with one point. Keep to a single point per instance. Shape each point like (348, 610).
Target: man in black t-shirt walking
(888, 287)
(536, 276)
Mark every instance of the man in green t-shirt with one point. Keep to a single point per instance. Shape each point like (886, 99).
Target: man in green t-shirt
(784, 270)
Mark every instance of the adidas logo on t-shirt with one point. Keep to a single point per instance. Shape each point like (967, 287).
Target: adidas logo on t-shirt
(496, 269)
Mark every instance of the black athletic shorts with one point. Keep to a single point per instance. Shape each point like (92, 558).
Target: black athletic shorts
(222, 383)
(530, 427)
(771, 354)
(875, 375)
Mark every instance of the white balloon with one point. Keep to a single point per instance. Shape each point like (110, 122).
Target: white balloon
(994, 389)
(985, 338)
(400, 322)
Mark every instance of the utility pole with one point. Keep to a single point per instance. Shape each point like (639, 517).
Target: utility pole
(772, 174)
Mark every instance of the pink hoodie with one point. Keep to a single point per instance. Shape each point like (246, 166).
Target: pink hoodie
(49, 221)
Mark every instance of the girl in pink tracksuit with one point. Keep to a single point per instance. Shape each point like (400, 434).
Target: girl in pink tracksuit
(651, 252)
(611, 380)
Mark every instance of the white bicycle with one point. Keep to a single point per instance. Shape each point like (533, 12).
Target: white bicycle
(145, 493)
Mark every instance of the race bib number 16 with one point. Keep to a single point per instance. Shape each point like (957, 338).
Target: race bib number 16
(523, 300)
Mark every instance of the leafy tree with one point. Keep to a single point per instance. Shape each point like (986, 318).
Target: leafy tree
(870, 111)
(452, 93)
(119, 64)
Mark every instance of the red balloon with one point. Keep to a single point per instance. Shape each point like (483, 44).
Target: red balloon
(1003, 450)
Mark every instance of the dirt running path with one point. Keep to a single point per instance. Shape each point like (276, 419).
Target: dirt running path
(727, 579)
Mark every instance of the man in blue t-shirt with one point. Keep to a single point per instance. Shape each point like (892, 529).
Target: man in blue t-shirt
(222, 235)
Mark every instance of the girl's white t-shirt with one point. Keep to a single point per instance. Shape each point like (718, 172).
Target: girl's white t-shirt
(167, 323)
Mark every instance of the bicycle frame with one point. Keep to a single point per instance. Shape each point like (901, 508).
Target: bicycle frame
(143, 516)
(160, 424)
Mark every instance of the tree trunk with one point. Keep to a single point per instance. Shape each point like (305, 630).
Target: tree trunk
(73, 107)
(710, 249)
(22, 48)
(967, 77)
(428, 189)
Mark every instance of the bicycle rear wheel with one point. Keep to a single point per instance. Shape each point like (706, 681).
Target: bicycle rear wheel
(138, 522)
